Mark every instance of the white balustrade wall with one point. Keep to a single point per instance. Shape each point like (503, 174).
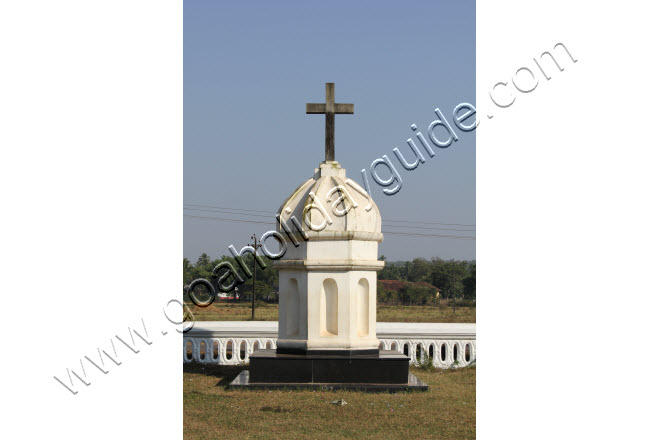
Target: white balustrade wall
(232, 342)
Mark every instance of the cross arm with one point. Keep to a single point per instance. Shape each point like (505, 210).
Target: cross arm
(345, 109)
(315, 108)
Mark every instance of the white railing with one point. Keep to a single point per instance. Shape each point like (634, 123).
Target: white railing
(232, 342)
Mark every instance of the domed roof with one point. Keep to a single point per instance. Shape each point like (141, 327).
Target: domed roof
(330, 206)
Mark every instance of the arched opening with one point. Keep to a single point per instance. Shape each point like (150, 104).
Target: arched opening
(393, 346)
(269, 345)
(189, 350)
(229, 350)
(443, 352)
(432, 351)
(455, 352)
(329, 308)
(363, 308)
(292, 308)
(243, 347)
(202, 350)
(215, 350)
(468, 352)
(418, 353)
(381, 346)
(405, 349)
(255, 346)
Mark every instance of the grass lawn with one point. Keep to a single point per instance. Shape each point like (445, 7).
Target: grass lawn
(446, 411)
(223, 311)
(425, 314)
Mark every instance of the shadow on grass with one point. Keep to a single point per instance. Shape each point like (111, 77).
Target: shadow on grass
(226, 373)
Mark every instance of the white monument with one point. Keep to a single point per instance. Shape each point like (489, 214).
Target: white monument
(327, 313)
(328, 282)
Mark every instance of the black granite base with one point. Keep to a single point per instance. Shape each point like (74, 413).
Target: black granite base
(383, 367)
(243, 381)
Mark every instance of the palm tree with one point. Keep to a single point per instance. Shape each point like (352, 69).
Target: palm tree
(203, 260)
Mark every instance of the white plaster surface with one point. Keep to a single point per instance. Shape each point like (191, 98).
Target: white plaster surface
(328, 283)
(391, 335)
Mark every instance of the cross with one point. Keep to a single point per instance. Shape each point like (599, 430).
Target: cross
(330, 108)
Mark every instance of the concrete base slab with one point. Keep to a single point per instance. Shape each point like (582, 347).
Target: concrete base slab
(242, 381)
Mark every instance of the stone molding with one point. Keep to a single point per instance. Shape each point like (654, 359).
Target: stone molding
(335, 235)
(326, 264)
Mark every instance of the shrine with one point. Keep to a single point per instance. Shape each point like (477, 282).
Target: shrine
(327, 284)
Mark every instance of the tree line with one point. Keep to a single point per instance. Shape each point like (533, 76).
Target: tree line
(266, 285)
(456, 279)
(419, 281)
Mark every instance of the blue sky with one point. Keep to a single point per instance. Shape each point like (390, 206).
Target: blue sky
(249, 69)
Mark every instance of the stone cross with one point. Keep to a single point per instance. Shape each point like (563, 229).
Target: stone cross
(330, 109)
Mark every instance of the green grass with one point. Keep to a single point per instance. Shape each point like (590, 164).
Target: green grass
(222, 311)
(425, 314)
(210, 411)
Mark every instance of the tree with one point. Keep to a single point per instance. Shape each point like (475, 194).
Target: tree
(448, 277)
(404, 293)
(389, 272)
(470, 284)
(263, 290)
(187, 271)
(203, 260)
(414, 294)
(419, 270)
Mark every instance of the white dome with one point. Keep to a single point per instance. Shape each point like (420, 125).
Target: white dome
(347, 212)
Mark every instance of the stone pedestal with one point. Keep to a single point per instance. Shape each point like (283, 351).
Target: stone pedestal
(386, 370)
(384, 367)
